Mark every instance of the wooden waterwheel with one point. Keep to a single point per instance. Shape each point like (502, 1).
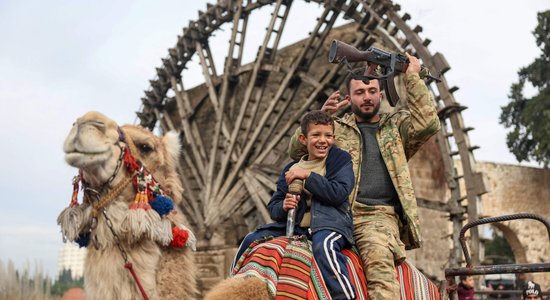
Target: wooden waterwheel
(235, 126)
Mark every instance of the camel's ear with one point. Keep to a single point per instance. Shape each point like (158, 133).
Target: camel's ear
(173, 146)
(172, 184)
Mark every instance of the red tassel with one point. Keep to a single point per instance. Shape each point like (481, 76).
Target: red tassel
(180, 237)
(74, 197)
(130, 162)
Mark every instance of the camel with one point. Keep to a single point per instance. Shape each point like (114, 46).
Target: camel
(138, 245)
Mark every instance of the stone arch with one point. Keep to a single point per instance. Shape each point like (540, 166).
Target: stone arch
(514, 242)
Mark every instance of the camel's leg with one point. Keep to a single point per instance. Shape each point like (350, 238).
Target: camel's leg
(176, 276)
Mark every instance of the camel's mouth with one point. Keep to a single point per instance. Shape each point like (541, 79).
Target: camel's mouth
(80, 159)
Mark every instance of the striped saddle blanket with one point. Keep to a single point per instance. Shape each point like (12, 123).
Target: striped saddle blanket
(288, 268)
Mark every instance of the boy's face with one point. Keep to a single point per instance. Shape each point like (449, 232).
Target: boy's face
(469, 281)
(318, 141)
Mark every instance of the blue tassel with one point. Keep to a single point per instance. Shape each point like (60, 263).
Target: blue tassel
(162, 205)
(83, 240)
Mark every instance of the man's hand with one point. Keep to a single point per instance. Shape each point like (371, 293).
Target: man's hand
(296, 173)
(414, 64)
(333, 103)
(291, 201)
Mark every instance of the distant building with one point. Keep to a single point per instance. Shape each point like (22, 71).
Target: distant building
(71, 257)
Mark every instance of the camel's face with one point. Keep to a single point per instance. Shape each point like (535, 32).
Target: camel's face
(94, 146)
(90, 141)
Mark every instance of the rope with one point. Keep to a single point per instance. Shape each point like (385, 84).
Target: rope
(129, 143)
(130, 268)
(117, 189)
(111, 195)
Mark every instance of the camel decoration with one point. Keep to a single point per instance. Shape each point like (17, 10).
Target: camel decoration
(284, 268)
(138, 245)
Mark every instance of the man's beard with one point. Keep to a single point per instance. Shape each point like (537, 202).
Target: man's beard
(363, 115)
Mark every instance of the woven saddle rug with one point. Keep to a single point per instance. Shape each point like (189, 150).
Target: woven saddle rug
(290, 272)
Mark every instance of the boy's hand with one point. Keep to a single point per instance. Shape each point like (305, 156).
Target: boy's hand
(291, 201)
(333, 103)
(296, 173)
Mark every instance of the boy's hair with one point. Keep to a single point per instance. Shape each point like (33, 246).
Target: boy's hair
(463, 277)
(359, 71)
(316, 117)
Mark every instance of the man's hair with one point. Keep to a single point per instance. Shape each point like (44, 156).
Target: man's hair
(359, 71)
(463, 277)
(316, 117)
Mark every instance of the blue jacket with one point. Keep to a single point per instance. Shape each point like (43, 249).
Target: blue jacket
(330, 208)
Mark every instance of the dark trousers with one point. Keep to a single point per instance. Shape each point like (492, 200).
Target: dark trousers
(327, 251)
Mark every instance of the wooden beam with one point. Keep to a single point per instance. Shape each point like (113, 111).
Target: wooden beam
(246, 99)
(258, 194)
(266, 180)
(195, 214)
(218, 212)
(431, 204)
(190, 131)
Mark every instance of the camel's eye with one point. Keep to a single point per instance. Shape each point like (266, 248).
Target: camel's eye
(144, 148)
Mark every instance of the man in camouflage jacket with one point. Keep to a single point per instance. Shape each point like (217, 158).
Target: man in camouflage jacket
(383, 201)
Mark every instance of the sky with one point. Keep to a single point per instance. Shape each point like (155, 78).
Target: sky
(60, 59)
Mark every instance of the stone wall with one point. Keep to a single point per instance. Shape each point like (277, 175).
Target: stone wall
(511, 189)
(429, 183)
(515, 189)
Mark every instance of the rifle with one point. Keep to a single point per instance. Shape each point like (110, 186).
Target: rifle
(389, 63)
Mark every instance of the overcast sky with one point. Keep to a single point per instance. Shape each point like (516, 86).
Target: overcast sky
(60, 59)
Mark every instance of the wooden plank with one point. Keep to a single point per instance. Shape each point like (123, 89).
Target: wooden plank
(218, 212)
(258, 194)
(184, 106)
(218, 112)
(431, 204)
(195, 214)
(246, 99)
(268, 181)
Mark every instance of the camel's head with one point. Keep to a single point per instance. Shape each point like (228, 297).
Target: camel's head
(95, 142)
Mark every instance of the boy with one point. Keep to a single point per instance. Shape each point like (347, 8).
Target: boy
(465, 288)
(328, 180)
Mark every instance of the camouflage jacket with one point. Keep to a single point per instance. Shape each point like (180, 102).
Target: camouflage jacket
(400, 135)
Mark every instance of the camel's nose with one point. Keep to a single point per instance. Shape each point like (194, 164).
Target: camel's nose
(99, 125)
